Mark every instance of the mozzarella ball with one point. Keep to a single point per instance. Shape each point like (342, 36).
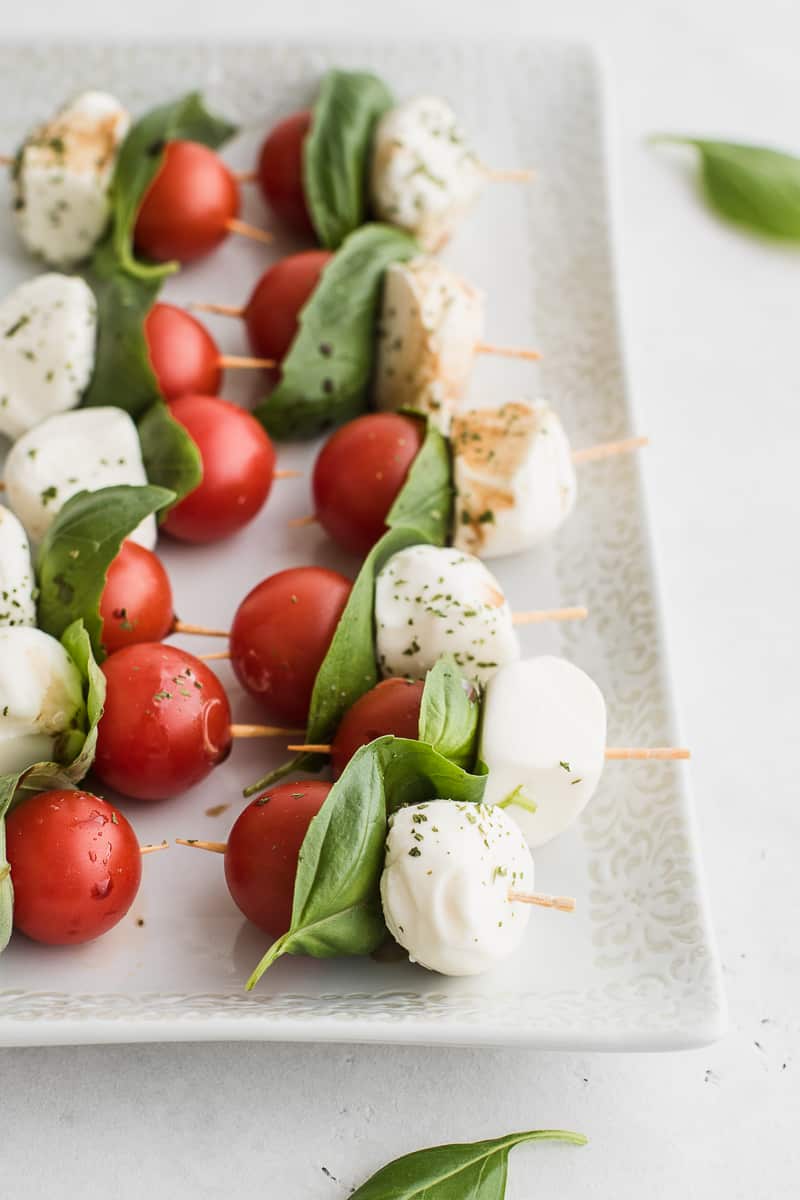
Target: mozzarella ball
(48, 327)
(424, 177)
(62, 178)
(543, 739)
(17, 580)
(41, 697)
(514, 478)
(431, 321)
(79, 451)
(434, 600)
(448, 871)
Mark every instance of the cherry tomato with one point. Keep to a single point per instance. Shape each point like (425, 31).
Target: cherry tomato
(166, 722)
(262, 850)
(281, 633)
(187, 208)
(75, 866)
(390, 707)
(136, 602)
(359, 472)
(183, 354)
(238, 468)
(280, 171)
(273, 310)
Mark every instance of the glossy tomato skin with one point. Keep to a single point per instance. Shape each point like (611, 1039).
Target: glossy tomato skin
(183, 354)
(273, 310)
(262, 850)
(359, 472)
(136, 602)
(238, 469)
(281, 633)
(280, 172)
(187, 207)
(75, 866)
(390, 707)
(165, 725)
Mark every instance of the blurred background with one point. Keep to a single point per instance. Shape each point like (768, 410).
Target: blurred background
(712, 339)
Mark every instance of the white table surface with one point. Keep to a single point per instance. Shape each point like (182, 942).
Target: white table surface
(713, 321)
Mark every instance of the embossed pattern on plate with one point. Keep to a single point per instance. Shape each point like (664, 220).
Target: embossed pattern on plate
(636, 967)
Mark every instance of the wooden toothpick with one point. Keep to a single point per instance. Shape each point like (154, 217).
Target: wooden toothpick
(562, 903)
(609, 449)
(550, 614)
(624, 753)
(197, 630)
(194, 844)
(234, 225)
(154, 848)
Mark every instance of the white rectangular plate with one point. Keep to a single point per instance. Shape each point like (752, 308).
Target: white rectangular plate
(635, 967)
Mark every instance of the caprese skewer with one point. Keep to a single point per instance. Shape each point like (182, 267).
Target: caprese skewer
(542, 739)
(429, 329)
(513, 476)
(409, 163)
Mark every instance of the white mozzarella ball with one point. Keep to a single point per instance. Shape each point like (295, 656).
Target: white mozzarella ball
(445, 884)
(63, 175)
(514, 478)
(543, 738)
(424, 177)
(40, 697)
(17, 580)
(84, 450)
(48, 328)
(431, 321)
(434, 600)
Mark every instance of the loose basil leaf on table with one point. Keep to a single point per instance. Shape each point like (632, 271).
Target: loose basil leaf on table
(337, 908)
(425, 500)
(325, 376)
(79, 547)
(754, 186)
(337, 152)
(171, 457)
(450, 713)
(478, 1170)
(77, 753)
(141, 156)
(349, 668)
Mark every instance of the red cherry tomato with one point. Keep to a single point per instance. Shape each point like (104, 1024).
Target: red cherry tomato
(390, 707)
(183, 354)
(359, 472)
(273, 310)
(238, 468)
(136, 602)
(262, 850)
(165, 725)
(281, 633)
(187, 208)
(280, 171)
(75, 865)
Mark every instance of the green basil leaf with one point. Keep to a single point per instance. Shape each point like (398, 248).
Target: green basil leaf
(337, 152)
(754, 186)
(337, 909)
(79, 749)
(79, 547)
(171, 457)
(122, 373)
(425, 500)
(473, 1170)
(450, 713)
(139, 160)
(325, 376)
